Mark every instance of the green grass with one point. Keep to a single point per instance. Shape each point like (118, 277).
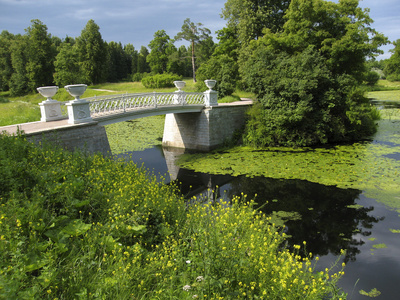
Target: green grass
(18, 112)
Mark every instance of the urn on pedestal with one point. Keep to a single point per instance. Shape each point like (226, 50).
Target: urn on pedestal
(50, 109)
(78, 109)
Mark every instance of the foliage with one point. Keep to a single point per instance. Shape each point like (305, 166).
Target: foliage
(195, 34)
(6, 69)
(92, 53)
(251, 17)
(222, 66)
(371, 77)
(392, 65)
(4, 100)
(67, 67)
(118, 62)
(19, 83)
(160, 80)
(74, 225)
(306, 76)
(158, 57)
(302, 103)
(224, 70)
(41, 54)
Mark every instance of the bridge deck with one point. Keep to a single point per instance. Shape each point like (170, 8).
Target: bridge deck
(34, 127)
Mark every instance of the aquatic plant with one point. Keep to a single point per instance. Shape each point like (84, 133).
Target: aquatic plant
(372, 167)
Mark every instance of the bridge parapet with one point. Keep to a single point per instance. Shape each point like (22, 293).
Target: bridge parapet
(126, 102)
(85, 109)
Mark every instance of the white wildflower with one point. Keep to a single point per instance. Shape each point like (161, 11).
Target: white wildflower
(199, 278)
(187, 288)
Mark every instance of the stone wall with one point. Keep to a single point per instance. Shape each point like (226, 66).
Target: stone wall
(90, 137)
(206, 130)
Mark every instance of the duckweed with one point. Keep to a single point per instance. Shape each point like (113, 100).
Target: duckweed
(373, 167)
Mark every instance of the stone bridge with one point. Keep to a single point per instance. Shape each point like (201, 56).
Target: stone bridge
(193, 120)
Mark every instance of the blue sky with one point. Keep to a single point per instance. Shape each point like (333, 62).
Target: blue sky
(136, 21)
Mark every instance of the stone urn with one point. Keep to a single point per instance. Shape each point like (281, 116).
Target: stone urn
(210, 83)
(48, 92)
(210, 96)
(50, 109)
(78, 109)
(179, 84)
(76, 90)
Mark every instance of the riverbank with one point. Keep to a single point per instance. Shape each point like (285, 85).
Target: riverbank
(88, 226)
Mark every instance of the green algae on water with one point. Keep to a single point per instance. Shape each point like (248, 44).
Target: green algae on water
(135, 135)
(368, 166)
(379, 246)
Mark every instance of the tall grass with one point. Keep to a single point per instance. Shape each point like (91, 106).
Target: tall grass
(18, 112)
(77, 226)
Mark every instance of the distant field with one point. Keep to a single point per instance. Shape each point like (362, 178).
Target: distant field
(385, 91)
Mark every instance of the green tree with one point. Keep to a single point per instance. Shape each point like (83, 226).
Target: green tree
(143, 65)
(40, 55)
(158, 57)
(251, 17)
(6, 69)
(118, 67)
(222, 66)
(193, 33)
(131, 56)
(306, 76)
(392, 65)
(92, 53)
(67, 68)
(19, 58)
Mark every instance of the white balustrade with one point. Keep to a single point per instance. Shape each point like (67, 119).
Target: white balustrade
(128, 102)
(83, 110)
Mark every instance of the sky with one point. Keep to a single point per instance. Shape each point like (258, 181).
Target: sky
(136, 21)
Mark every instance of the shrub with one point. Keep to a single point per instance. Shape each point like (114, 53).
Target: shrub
(4, 100)
(139, 76)
(160, 80)
(371, 77)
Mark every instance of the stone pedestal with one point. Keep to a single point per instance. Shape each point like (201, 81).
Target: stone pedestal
(179, 97)
(78, 112)
(50, 110)
(211, 98)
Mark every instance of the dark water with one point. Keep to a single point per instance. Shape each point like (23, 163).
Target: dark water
(328, 219)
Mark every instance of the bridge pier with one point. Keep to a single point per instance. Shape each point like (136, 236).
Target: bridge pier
(205, 130)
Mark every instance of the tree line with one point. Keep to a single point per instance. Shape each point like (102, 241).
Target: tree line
(305, 60)
(39, 59)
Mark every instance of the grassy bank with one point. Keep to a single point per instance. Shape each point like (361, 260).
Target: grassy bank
(76, 226)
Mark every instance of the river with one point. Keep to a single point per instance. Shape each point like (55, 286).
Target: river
(351, 214)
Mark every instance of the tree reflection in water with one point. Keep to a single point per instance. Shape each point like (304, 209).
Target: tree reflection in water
(326, 217)
(329, 215)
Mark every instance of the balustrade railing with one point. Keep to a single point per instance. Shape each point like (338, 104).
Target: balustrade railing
(127, 102)
(83, 110)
